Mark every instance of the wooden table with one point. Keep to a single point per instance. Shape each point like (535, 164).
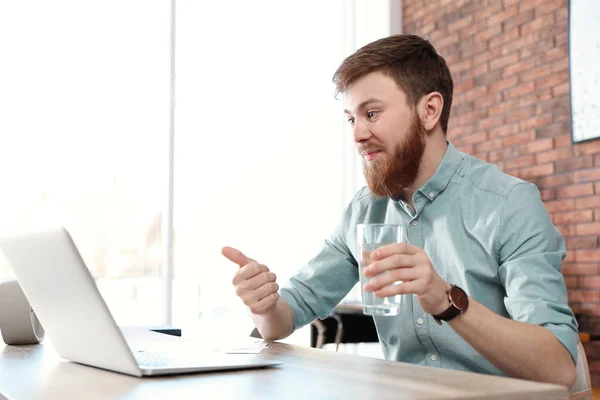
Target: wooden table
(36, 372)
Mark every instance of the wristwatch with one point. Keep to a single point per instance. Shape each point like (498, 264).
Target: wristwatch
(459, 302)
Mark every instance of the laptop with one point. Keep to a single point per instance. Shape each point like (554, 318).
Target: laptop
(66, 300)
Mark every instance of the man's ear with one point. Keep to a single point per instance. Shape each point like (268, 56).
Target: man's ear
(430, 110)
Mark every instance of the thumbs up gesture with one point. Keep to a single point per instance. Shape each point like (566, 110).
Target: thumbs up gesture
(253, 282)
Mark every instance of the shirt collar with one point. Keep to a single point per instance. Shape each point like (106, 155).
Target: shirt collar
(445, 171)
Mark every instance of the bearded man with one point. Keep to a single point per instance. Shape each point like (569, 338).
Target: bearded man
(473, 231)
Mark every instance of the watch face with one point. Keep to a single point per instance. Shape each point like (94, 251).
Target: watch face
(459, 298)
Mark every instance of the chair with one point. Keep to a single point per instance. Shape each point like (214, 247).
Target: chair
(582, 388)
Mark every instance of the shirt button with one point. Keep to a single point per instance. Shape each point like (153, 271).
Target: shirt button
(433, 357)
(414, 223)
(420, 321)
(431, 195)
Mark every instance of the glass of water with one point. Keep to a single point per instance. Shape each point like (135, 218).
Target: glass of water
(370, 238)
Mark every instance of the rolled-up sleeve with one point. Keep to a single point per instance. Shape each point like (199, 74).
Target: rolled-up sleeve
(531, 251)
(324, 281)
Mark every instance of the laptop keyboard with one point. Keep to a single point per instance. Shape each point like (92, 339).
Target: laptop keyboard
(153, 359)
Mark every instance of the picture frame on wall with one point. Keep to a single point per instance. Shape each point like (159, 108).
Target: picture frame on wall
(584, 69)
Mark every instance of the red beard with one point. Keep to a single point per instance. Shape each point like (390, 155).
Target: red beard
(390, 176)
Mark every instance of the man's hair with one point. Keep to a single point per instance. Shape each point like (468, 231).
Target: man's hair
(408, 59)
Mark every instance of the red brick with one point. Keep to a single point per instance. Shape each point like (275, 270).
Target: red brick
(519, 138)
(561, 89)
(438, 34)
(567, 230)
(554, 180)
(562, 117)
(597, 215)
(488, 145)
(521, 89)
(466, 148)
(491, 32)
(503, 84)
(458, 131)
(552, 55)
(518, 67)
(450, 38)
(585, 242)
(491, 122)
(538, 170)
(592, 147)
(580, 269)
(553, 155)
(507, 129)
(562, 141)
(597, 160)
(535, 146)
(574, 163)
(520, 18)
(561, 64)
(502, 108)
(584, 296)
(474, 93)
(552, 80)
(480, 69)
(562, 13)
(534, 122)
(476, 138)
(584, 189)
(553, 104)
(591, 282)
(537, 24)
(533, 50)
(586, 175)
(503, 38)
(502, 154)
(536, 73)
(552, 130)
(561, 39)
(592, 348)
(487, 78)
(463, 86)
(587, 202)
(499, 17)
(488, 10)
(488, 100)
(486, 56)
(461, 66)
(590, 228)
(471, 30)
(520, 114)
(560, 205)
(572, 217)
(549, 6)
(461, 23)
(482, 156)
(473, 116)
(571, 282)
(519, 162)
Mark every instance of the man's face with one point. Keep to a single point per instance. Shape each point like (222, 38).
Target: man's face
(389, 135)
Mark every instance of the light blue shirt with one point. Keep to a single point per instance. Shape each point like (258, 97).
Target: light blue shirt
(483, 230)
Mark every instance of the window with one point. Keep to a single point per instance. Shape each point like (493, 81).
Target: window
(84, 105)
(258, 160)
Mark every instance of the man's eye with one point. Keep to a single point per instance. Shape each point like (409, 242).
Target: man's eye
(372, 114)
(351, 120)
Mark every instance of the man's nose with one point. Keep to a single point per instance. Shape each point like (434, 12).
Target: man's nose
(360, 132)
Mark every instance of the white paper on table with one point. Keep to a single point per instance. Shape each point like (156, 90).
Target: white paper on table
(143, 338)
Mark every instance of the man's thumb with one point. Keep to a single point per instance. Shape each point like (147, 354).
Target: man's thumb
(236, 256)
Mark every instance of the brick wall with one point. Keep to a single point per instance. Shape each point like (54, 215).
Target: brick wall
(509, 61)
